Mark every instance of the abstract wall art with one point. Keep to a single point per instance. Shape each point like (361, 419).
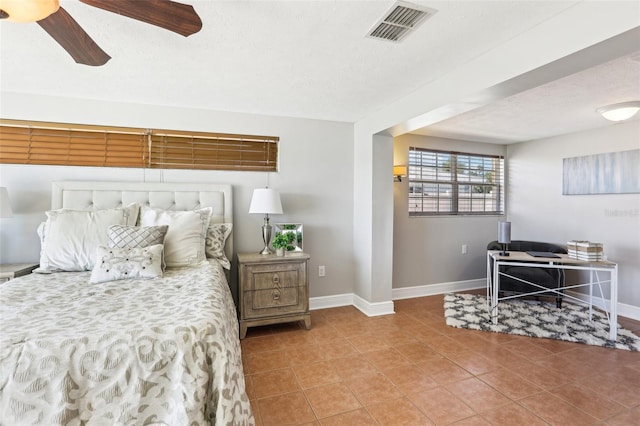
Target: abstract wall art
(610, 173)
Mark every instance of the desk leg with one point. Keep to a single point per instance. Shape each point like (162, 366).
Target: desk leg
(613, 311)
(591, 295)
(494, 296)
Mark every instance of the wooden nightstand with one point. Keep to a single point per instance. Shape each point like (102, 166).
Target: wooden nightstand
(10, 271)
(273, 289)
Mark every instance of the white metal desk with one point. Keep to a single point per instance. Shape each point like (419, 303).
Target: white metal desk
(518, 258)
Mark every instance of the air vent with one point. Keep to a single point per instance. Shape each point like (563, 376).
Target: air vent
(401, 19)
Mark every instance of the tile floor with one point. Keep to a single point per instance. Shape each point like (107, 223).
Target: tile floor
(412, 369)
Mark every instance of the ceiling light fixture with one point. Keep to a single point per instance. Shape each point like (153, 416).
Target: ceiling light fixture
(620, 112)
(27, 10)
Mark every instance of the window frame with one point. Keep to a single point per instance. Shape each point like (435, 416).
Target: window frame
(441, 171)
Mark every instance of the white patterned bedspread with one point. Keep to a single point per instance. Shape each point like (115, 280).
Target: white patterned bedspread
(130, 352)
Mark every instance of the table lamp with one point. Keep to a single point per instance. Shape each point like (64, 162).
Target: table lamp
(266, 201)
(504, 236)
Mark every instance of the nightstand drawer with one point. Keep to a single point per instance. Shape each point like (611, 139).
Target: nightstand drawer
(276, 278)
(275, 301)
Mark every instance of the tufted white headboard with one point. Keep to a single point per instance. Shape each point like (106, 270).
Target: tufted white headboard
(83, 195)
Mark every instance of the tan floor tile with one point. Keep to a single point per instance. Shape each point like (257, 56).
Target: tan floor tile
(368, 343)
(444, 371)
(477, 394)
(307, 354)
(353, 366)
(332, 399)
(260, 344)
(418, 352)
(626, 418)
(437, 368)
(527, 349)
(556, 411)
(441, 406)
(473, 421)
(274, 382)
(591, 402)
(256, 413)
(338, 348)
(410, 379)
(510, 384)
(287, 409)
(259, 362)
(398, 412)
(386, 359)
(373, 389)
(473, 362)
(445, 345)
(353, 418)
(316, 374)
(513, 414)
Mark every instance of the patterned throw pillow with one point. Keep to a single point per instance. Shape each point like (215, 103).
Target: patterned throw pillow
(136, 236)
(217, 235)
(127, 263)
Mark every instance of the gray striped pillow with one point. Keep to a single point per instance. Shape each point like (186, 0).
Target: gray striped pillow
(136, 236)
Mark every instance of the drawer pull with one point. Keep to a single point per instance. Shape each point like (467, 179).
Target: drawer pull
(276, 279)
(276, 295)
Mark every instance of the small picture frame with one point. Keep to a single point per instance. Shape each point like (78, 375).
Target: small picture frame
(293, 228)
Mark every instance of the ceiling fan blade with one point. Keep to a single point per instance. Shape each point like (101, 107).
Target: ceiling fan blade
(70, 35)
(177, 17)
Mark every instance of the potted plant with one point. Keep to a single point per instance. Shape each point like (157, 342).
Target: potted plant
(281, 241)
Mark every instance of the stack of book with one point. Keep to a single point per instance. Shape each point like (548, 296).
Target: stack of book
(584, 250)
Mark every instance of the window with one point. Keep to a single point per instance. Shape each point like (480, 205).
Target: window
(454, 183)
(26, 142)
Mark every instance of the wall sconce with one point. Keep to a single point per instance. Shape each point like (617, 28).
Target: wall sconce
(619, 112)
(399, 172)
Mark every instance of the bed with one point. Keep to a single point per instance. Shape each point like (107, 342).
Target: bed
(143, 346)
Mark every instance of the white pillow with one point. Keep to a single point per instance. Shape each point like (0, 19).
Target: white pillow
(185, 239)
(70, 237)
(127, 263)
(217, 235)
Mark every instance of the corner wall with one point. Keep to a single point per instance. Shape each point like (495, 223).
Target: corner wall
(428, 250)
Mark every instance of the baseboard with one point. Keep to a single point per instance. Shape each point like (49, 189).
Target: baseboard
(350, 299)
(386, 308)
(440, 288)
(373, 309)
(325, 302)
(624, 310)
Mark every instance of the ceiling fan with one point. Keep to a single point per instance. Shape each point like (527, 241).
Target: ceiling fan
(177, 17)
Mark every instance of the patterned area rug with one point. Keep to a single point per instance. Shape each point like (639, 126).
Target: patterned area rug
(537, 319)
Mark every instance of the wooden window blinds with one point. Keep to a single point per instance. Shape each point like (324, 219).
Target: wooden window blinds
(25, 142)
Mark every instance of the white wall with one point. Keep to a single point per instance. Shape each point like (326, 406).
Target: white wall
(428, 250)
(539, 211)
(315, 178)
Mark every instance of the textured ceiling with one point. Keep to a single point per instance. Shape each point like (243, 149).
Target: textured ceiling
(308, 59)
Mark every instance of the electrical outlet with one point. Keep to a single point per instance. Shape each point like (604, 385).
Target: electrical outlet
(464, 249)
(321, 271)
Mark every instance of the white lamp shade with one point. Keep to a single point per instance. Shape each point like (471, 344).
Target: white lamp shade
(265, 201)
(5, 203)
(504, 232)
